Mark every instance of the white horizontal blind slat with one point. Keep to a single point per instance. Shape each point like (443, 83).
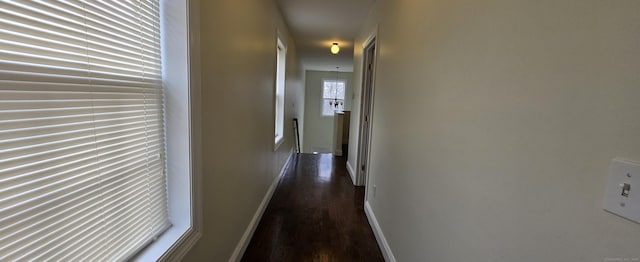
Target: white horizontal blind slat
(82, 169)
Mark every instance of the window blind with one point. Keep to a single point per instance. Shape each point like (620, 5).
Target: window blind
(81, 130)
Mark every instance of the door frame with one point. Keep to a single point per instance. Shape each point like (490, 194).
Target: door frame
(367, 94)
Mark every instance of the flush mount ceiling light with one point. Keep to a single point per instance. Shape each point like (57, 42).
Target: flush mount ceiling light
(335, 48)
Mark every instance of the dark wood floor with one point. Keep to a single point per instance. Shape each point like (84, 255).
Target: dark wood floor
(316, 214)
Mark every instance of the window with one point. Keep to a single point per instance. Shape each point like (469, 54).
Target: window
(279, 97)
(82, 161)
(332, 96)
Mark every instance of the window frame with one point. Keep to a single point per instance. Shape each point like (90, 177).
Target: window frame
(279, 91)
(182, 50)
(186, 89)
(182, 120)
(323, 99)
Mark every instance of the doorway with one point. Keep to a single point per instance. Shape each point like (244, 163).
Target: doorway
(366, 109)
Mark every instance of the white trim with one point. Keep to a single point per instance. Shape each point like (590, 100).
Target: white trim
(361, 177)
(351, 173)
(373, 34)
(279, 140)
(194, 233)
(191, 237)
(377, 231)
(278, 126)
(248, 233)
(174, 244)
(181, 247)
(280, 36)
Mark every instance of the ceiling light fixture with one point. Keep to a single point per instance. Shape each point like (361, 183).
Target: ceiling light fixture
(335, 48)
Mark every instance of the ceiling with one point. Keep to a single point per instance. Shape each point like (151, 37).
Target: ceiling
(316, 24)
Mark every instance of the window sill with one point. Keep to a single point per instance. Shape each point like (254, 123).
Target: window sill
(279, 140)
(170, 246)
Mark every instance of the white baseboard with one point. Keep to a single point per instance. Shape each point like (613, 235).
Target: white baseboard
(382, 241)
(352, 173)
(248, 233)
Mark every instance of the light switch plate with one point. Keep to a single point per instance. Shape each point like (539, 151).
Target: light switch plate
(623, 174)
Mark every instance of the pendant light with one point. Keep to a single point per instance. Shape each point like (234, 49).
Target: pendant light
(336, 102)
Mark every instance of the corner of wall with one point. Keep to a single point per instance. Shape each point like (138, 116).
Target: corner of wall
(352, 174)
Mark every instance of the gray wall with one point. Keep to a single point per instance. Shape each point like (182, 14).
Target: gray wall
(494, 126)
(238, 56)
(318, 129)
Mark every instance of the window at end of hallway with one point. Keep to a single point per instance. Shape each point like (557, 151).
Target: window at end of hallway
(332, 96)
(279, 97)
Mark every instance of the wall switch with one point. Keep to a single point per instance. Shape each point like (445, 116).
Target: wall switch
(626, 188)
(622, 195)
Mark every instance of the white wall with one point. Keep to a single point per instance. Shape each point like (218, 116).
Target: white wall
(494, 125)
(318, 136)
(238, 57)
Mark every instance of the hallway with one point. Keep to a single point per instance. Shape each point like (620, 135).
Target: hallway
(316, 214)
